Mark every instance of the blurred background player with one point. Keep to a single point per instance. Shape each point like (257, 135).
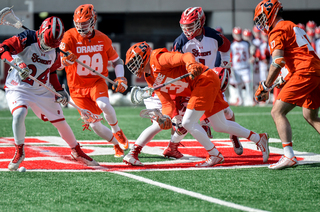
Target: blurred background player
(209, 47)
(240, 55)
(203, 88)
(317, 42)
(88, 90)
(302, 85)
(256, 36)
(22, 92)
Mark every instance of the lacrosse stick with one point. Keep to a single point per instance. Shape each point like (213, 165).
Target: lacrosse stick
(86, 115)
(152, 114)
(278, 81)
(138, 94)
(94, 71)
(7, 17)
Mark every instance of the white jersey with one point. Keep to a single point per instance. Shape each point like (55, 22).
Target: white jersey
(205, 47)
(40, 63)
(240, 55)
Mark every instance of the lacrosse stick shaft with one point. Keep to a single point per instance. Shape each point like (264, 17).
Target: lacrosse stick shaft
(171, 81)
(94, 71)
(39, 82)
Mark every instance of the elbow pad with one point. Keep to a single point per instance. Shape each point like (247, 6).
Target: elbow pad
(278, 62)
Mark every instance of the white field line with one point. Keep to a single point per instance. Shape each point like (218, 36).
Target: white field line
(189, 193)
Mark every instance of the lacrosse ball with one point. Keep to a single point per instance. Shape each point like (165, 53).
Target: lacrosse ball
(22, 169)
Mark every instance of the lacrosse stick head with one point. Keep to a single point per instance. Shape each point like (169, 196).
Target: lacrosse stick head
(138, 94)
(88, 117)
(152, 114)
(7, 17)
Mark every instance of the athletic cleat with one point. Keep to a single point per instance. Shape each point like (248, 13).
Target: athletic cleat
(118, 152)
(132, 157)
(79, 155)
(263, 145)
(122, 139)
(18, 158)
(284, 162)
(172, 151)
(208, 130)
(237, 146)
(212, 160)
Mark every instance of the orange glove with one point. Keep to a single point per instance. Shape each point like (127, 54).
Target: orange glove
(121, 84)
(164, 122)
(261, 94)
(68, 59)
(195, 69)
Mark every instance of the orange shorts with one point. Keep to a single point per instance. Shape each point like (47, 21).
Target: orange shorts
(302, 91)
(206, 94)
(85, 98)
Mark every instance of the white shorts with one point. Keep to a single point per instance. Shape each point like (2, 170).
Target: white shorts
(44, 105)
(153, 102)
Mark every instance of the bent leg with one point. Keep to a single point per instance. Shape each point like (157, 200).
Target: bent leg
(311, 116)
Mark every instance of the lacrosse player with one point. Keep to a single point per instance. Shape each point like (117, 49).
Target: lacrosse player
(88, 90)
(203, 88)
(205, 43)
(290, 48)
(36, 53)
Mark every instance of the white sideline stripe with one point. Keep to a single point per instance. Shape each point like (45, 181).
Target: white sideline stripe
(137, 116)
(189, 193)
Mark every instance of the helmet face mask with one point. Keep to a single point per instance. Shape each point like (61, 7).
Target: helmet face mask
(137, 58)
(265, 14)
(50, 34)
(192, 21)
(84, 19)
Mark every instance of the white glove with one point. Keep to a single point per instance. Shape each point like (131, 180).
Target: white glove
(63, 99)
(24, 72)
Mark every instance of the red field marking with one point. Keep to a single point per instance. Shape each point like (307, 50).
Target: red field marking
(58, 157)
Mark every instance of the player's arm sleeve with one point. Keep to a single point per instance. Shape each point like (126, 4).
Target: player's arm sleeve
(168, 105)
(12, 46)
(224, 48)
(118, 67)
(54, 81)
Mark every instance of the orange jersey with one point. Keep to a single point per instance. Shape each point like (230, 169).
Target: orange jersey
(94, 52)
(299, 54)
(204, 91)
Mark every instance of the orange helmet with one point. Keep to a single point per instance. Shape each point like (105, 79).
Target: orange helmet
(191, 22)
(247, 35)
(84, 19)
(236, 33)
(137, 57)
(50, 33)
(265, 14)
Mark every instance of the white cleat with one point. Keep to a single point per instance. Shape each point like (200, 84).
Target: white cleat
(237, 146)
(79, 155)
(263, 145)
(212, 160)
(132, 159)
(284, 162)
(18, 158)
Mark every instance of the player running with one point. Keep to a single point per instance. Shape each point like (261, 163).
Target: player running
(88, 90)
(36, 53)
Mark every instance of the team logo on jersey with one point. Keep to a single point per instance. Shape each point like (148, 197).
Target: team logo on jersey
(159, 79)
(196, 53)
(36, 59)
(89, 49)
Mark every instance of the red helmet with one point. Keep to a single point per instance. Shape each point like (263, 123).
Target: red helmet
(301, 26)
(317, 32)
(50, 33)
(236, 33)
(247, 35)
(256, 32)
(219, 29)
(223, 74)
(311, 33)
(137, 57)
(311, 25)
(265, 14)
(84, 19)
(191, 22)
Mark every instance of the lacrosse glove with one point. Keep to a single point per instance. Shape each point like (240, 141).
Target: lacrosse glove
(63, 99)
(121, 84)
(68, 60)
(195, 69)
(262, 93)
(24, 72)
(164, 122)
(282, 83)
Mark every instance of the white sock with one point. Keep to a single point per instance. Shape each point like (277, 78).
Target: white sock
(288, 151)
